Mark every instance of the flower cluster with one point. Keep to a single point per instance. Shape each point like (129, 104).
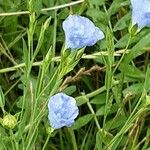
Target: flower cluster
(141, 13)
(80, 32)
(62, 110)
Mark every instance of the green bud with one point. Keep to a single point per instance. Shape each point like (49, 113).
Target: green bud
(80, 53)
(147, 100)
(47, 22)
(49, 130)
(9, 121)
(65, 53)
(133, 30)
(48, 56)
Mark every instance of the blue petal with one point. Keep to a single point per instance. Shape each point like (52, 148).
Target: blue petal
(62, 110)
(80, 32)
(140, 13)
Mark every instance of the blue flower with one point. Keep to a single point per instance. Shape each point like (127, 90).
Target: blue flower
(80, 32)
(141, 13)
(62, 110)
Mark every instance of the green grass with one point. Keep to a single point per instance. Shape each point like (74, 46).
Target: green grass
(110, 81)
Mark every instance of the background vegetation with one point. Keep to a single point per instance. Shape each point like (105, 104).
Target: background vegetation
(110, 81)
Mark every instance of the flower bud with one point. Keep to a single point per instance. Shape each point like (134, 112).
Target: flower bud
(9, 121)
(49, 130)
(147, 100)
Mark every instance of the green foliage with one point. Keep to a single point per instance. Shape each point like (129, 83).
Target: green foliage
(82, 121)
(110, 81)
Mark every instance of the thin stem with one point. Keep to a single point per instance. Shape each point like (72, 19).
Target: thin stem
(134, 142)
(127, 124)
(109, 22)
(12, 140)
(36, 119)
(73, 139)
(142, 141)
(42, 10)
(35, 108)
(12, 87)
(7, 53)
(58, 58)
(128, 43)
(32, 136)
(95, 118)
(61, 140)
(47, 139)
(54, 37)
(105, 109)
(96, 92)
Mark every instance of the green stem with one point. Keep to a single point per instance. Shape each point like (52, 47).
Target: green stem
(95, 118)
(54, 33)
(127, 124)
(96, 92)
(35, 108)
(12, 140)
(105, 109)
(73, 139)
(109, 22)
(32, 136)
(122, 57)
(134, 142)
(61, 140)
(38, 117)
(58, 58)
(47, 139)
(42, 10)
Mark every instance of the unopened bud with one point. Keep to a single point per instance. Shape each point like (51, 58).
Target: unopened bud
(49, 130)
(9, 121)
(147, 100)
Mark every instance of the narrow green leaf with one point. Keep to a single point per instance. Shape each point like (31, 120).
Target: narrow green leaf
(81, 100)
(131, 71)
(122, 23)
(70, 90)
(134, 89)
(99, 99)
(115, 6)
(137, 49)
(2, 98)
(97, 2)
(82, 121)
(99, 140)
(102, 137)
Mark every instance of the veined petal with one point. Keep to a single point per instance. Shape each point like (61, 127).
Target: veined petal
(80, 32)
(62, 110)
(140, 13)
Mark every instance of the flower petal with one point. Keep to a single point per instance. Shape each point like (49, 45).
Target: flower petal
(140, 13)
(80, 32)
(62, 110)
